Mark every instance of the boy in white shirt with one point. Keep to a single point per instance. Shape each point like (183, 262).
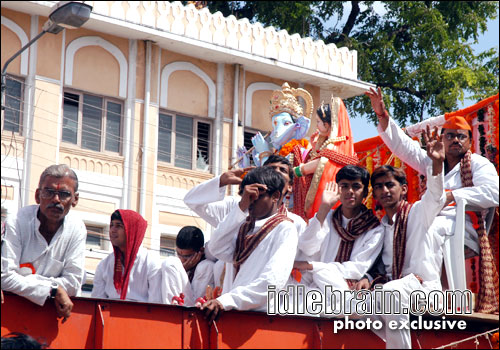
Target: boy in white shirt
(131, 272)
(257, 241)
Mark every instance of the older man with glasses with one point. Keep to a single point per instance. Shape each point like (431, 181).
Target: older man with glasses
(43, 254)
(467, 176)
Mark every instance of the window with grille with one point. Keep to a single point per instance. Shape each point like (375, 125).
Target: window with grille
(92, 122)
(167, 246)
(184, 141)
(95, 237)
(12, 115)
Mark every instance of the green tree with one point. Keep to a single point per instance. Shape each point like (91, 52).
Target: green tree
(419, 52)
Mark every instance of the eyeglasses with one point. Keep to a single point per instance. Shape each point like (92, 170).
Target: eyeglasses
(450, 136)
(48, 193)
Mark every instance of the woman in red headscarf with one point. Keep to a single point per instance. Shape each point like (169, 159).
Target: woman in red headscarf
(131, 272)
(332, 148)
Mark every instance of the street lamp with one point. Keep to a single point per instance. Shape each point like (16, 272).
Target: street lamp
(64, 14)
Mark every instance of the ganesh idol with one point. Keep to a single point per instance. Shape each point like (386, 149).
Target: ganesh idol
(289, 126)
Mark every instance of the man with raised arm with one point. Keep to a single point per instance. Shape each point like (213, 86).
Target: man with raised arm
(466, 175)
(411, 260)
(342, 243)
(257, 241)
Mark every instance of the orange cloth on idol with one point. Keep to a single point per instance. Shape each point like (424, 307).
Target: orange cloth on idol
(456, 123)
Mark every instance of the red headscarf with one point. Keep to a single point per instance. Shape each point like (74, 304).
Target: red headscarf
(135, 229)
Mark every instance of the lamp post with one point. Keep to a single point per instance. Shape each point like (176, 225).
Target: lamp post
(64, 14)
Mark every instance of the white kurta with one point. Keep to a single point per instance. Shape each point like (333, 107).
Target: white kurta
(483, 194)
(175, 281)
(144, 283)
(203, 277)
(61, 261)
(323, 242)
(269, 264)
(209, 202)
(422, 257)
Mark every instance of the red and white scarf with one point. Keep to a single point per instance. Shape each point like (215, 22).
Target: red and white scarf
(246, 243)
(358, 225)
(135, 229)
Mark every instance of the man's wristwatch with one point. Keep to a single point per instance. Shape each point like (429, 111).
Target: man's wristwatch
(53, 290)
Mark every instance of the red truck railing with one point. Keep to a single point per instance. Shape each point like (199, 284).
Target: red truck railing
(101, 324)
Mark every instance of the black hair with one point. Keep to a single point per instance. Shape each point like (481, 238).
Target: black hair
(190, 237)
(17, 340)
(325, 113)
(266, 176)
(276, 158)
(383, 170)
(354, 172)
(116, 216)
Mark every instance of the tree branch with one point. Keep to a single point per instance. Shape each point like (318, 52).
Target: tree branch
(419, 94)
(336, 38)
(351, 20)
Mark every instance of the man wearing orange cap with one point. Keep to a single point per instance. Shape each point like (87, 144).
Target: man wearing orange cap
(468, 176)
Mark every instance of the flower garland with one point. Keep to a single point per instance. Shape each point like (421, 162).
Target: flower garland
(287, 147)
(482, 132)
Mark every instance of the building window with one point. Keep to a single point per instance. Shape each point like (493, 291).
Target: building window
(92, 122)
(184, 141)
(167, 246)
(11, 120)
(95, 237)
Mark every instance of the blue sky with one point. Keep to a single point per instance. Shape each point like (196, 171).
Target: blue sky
(363, 129)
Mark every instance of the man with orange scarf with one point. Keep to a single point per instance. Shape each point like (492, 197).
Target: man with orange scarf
(467, 176)
(131, 272)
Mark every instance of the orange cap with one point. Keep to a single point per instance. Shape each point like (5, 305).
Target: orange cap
(456, 123)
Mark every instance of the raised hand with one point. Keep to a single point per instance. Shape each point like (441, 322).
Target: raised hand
(330, 197)
(378, 106)
(434, 144)
(331, 194)
(233, 177)
(435, 149)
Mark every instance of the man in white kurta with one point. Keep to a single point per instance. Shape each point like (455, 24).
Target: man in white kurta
(209, 201)
(197, 261)
(320, 243)
(484, 193)
(145, 281)
(270, 263)
(422, 263)
(61, 261)
(257, 241)
(44, 246)
(323, 242)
